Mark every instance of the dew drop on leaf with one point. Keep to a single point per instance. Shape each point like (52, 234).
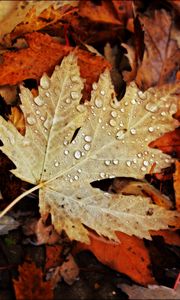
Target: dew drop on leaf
(94, 86)
(120, 135)
(75, 78)
(68, 100)
(128, 163)
(66, 152)
(114, 114)
(115, 161)
(150, 129)
(45, 82)
(151, 107)
(77, 154)
(87, 147)
(142, 95)
(74, 95)
(145, 163)
(88, 138)
(112, 123)
(133, 131)
(39, 101)
(80, 108)
(31, 120)
(56, 164)
(102, 92)
(98, 103)
(107, 162)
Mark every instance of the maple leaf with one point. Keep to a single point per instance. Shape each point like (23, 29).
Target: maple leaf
(151, 292)
(68, 145)
(30, 284)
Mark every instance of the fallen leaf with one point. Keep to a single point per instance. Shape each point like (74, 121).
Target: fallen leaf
(30, 284)
(177, 185)
(151, 292)
(170, 237)
(71, 148)
(41, 56)
(53, 256)
(103, 12)
(169, 143)
(17, 119)
(161, 55)
(7, 223)
(129, 257)
(8, 93)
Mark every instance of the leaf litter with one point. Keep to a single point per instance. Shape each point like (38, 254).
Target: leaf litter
(98, 149)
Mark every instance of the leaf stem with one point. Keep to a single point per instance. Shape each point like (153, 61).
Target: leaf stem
(20, 197)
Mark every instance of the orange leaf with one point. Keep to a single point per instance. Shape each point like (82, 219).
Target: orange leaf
(17, 118)
(177, 185)
(129, 257)
(170, 237)
(53, 256)
(169, 143)
(41, 56)
(30, 284)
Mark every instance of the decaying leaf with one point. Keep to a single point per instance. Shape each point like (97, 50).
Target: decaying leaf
(17, 118)
(41, 56)
(30, 284)
(7, 223)
(8, 93)
(162, 54)
(176, 185)
(68, 145)
(130, 257)
(152, 292)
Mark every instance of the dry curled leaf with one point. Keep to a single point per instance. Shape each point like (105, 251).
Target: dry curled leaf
(69, 145)
(30, 284)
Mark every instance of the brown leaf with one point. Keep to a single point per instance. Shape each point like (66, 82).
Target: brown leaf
(177, 185)
(169, 143)
(170, 237)
(102, 12)
(129, 257)
(41, 56)
(17, 118)
(30, 284)
(161, 55)
(53, 256)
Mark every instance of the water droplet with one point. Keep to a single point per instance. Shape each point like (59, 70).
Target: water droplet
(152, 107)
(88, 138)
(75, 78)
(76, 177)
(79, 171)
(39, 101)
(102, 175)
(68, 100)
(107, 162)
(150, 129)
(143, 169)
(114, 114)
(74, 95)
(163, 113)
(122, 110)
(126, 103)
(87, 147)
(142, 95)
(133, 131)
(77, 154)
(128, 163)
(37, 112)
(115, 161)
(47, 94)
(98, 102)
(42, 118)
(66, 152)
(133, 101)
(81, 108)
(120, 135)
(102, 92)
(65, 142)
(121, 124)
(45, 82)
(134, 160)
(94, 86)
(167, 160)
(139, 155)
(56, 164)
(71, 180)
(112, 123)
(145, 163)
(100, 120)
(173, 109)
(46, 124)
(31, 120)
(146, 152)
